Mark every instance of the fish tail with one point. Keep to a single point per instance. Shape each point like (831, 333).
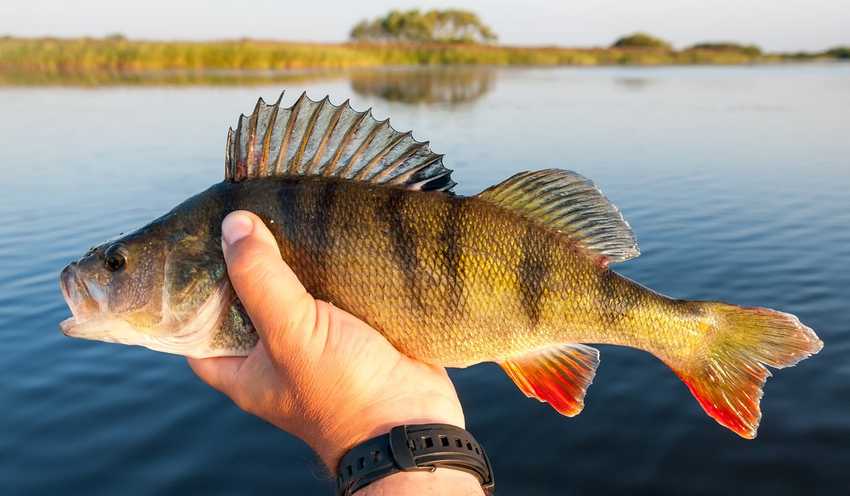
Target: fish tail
(726, 371)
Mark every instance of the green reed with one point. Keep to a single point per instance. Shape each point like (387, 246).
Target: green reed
(96, 60)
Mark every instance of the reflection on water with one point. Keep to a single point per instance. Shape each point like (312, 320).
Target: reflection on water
(728, 200)
(423, 85)
(634, 83)
(451, 85)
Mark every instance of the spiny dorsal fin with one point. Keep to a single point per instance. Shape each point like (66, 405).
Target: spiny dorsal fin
(569, 203)
(319, 138)
(559, 375)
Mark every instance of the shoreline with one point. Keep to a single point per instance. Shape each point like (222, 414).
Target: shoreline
(115, 60)
(253, 77)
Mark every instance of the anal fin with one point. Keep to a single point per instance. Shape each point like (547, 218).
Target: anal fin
(559, 375)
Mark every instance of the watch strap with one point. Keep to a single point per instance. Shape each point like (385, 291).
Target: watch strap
(422, 447)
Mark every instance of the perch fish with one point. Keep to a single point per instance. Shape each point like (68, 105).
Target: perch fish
(518, 274)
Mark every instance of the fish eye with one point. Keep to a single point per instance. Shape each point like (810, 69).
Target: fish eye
(114, 258)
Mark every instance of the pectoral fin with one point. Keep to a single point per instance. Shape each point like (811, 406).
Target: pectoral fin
(558, 375)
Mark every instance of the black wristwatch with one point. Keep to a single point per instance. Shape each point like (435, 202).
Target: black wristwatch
(410, 448)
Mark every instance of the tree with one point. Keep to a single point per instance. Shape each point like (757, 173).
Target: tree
(443, 26)
(840, 52)
(641, 40)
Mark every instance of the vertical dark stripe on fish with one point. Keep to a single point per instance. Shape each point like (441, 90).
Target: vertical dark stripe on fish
(324, 208)
(403, 242)
(226, 197)
(533, 271)
(290, 222)
(452, 251)
(323, 225)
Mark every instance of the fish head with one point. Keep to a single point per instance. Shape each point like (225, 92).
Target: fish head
(164, 287)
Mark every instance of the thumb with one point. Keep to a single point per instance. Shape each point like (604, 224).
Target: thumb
(280, 308)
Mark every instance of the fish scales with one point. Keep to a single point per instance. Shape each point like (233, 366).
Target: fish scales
(503, 286)
(364, 215)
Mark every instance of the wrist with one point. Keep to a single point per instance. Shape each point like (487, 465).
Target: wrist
(336, 441)
(443, 481)
(335, 446)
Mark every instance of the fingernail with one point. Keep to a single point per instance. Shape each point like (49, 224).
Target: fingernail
(235, 227)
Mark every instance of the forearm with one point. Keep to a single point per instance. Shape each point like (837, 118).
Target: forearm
(443, 481)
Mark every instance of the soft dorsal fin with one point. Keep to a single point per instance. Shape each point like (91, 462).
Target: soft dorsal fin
(322, 139)
(569, 203)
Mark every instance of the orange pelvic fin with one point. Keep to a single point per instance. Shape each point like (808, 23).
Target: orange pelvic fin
(558, 375)
(727, 376)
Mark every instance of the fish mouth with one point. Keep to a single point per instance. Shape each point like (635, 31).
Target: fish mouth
(91, 320)
(88, 320)
(80, 300)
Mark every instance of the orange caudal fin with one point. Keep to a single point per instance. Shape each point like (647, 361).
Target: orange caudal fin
(558, 375)
(726, 375)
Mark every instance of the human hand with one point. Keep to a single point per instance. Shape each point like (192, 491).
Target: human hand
(318, 372)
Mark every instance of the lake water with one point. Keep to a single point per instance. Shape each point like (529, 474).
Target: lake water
(735, 180)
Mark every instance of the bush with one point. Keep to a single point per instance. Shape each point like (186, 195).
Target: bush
(841, 52)
(728, 46)
(641, 40)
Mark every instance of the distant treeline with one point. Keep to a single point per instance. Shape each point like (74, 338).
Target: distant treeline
(56, 58)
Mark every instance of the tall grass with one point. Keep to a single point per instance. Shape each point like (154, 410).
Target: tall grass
(48, 59)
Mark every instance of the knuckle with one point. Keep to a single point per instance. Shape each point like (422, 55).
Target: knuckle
(247, 256)
(303, 315)
(251, 276)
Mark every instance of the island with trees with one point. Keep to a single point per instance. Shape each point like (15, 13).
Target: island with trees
(433, 26)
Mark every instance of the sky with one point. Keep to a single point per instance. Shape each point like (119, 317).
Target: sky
(776, 25)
